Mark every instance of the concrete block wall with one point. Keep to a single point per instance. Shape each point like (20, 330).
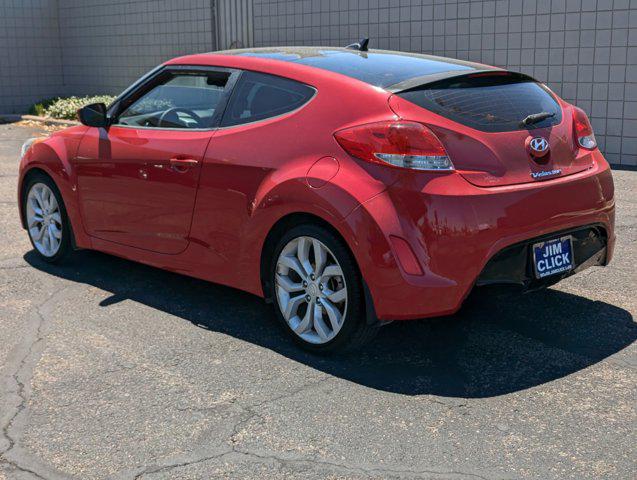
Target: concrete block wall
(107, 44)
(75, 47)
(30, 53)
(586, 50)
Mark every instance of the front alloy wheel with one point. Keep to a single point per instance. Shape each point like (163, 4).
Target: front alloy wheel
(45, 218)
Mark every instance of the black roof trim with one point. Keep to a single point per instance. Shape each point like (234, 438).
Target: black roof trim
(416, 82)
(427, 79)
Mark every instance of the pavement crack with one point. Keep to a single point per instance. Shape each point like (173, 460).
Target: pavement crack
(249, 414)
(172, 466)
(15, 267)
(19, 373)
(20, 384)
(251, 409)
(363, 470)
(291, 393)
(286, 461)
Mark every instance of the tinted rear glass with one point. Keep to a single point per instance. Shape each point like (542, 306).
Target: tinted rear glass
(258, 96)
(491, 103)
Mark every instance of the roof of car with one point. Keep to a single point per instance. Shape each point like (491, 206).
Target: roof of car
(389, 70)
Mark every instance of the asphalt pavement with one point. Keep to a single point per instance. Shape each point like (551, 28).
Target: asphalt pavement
(111, 369)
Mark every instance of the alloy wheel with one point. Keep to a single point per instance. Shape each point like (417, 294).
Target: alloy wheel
(44, 219)
(311, 290)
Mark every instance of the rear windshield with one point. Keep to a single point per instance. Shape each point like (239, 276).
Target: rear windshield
(488, 102)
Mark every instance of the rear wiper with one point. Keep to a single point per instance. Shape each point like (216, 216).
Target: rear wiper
(535, 118)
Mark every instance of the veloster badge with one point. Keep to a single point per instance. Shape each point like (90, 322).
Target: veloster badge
(546, 173)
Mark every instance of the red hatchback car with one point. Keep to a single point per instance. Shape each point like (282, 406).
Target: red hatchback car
(348, 187)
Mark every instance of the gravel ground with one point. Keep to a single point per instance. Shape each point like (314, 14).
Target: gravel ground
(111, 369)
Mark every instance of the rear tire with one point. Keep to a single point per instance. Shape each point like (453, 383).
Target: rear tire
(317, 291)
(46, 219)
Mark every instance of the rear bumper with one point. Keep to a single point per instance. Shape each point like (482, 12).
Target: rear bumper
(513, 265)
(456, 229)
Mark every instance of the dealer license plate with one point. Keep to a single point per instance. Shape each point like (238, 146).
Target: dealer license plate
(553, 256)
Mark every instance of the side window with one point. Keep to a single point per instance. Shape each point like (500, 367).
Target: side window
(178, 100)
(258, 96)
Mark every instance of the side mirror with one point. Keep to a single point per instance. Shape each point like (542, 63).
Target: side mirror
(93, 115)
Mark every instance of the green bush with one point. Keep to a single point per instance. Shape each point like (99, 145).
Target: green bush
(40, 107)
(66, 108)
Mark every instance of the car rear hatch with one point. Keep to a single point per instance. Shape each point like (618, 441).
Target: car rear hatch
(479, 117)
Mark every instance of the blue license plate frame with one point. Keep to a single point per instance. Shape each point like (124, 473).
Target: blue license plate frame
(553, 257)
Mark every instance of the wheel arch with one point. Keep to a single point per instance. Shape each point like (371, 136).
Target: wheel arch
(297, 218)
(278, 229)
(31, 172)
(26, 176)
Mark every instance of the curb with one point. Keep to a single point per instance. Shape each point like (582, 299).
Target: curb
(34, 118)
(50, 121)
(10, 118)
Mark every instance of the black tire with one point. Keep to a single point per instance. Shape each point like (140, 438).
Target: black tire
(66, 246)
(355, 331)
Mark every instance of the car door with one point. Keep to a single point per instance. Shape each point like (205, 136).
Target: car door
(138, 178)
(258, 132)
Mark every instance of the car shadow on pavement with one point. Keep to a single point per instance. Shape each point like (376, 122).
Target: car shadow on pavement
(493, 346)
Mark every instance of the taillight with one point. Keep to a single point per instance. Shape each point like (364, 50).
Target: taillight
(583, 130)
(400, 144)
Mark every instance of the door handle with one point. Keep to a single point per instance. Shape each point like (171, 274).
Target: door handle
(182, 164)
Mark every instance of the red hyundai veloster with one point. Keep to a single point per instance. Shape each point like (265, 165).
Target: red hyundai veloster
(348, 187)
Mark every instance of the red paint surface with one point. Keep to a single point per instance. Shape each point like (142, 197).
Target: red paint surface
(322, 172)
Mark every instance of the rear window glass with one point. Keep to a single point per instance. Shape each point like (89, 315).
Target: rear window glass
(258, 96)
(491, 103)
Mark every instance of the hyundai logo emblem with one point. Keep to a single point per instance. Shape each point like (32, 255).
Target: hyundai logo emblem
(538, 146)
